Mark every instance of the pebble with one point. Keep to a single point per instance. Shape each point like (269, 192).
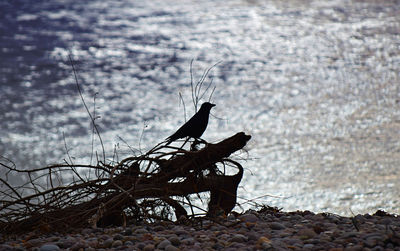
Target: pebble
(49, 247)
(171, 248)
(175, 240)
(107, 243)
(163, 244)
(250, 231)
(158, 228)
(66, 243)
(251, 218)
(252, 236)
(127, 232)
(141, 231)
(34, 243)
(188, 241)
(149, 247)
(128, 243)
(79, 245)
(87, 231)
(116, 243)
(306, 233)
(238, 238)
(277, 226)
(141, 246)
(118, 237)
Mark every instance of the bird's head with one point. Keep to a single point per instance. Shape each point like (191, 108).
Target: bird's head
(207, 106)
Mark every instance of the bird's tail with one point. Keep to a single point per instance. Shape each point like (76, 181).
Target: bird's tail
(167, 141)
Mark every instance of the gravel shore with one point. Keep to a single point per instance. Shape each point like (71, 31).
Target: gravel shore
(267, 229)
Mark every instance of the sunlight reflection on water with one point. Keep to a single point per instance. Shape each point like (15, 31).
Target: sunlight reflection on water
(315, 84)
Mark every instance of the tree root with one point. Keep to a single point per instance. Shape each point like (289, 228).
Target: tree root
(137, 188)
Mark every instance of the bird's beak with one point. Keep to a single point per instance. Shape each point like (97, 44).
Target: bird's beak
(212, 105)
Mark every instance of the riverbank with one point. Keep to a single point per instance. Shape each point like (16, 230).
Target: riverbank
(266, 229)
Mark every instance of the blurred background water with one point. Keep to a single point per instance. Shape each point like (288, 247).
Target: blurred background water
(316, 84)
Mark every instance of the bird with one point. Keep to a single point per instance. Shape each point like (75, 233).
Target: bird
(196, 125)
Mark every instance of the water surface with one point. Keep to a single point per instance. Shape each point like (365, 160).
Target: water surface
(316, 84)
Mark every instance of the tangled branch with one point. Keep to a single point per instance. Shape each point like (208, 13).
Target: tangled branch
(147, 187)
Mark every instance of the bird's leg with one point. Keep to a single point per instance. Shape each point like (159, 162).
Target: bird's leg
(184, 143)
(196, 142)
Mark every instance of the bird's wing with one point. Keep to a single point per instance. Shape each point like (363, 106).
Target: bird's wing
(183, 131)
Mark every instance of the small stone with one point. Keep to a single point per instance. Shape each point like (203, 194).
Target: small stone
(264, 243)
(87, 231)
(389, 246)
(306, 233)
(277, 226)
(251, 218)
(6, 247)
(127, 232)
(34, 243)
(370, 242)
(66, 243)
(181, 232)
(147, 237)
(178, 228)
(97, 230)
(103, 237)
(350, 234)
(308, 246)
(217, 246)
(116, 243)
(236, 246)
(197, 246)
(17, 249)
(188, 241)
(128, 243)
(359, 218)
(377, 236)
(224, 236)
(333, 218)
(149, 247)
(79, 245)
(163, 244)
(175, 240)
(238, 238)
(141, 246)
(53, 239)
(92, 242)
(118, 237)
(171, 248)
(251, 236)
(107, 243)
(159, 228)
(49, 247)
(141, 231)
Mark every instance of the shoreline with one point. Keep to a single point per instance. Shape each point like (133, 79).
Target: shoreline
(266, 229)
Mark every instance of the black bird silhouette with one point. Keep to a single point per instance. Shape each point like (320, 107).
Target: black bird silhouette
(196, 125)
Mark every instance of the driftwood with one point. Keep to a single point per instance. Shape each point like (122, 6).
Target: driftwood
(150, 186)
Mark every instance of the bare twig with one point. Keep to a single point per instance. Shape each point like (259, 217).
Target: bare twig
(92, 119)
(196, 89)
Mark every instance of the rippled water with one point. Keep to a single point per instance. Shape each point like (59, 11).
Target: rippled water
(316, 83)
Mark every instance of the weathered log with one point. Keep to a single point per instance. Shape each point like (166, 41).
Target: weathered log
(181, 165)
(223, 188)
